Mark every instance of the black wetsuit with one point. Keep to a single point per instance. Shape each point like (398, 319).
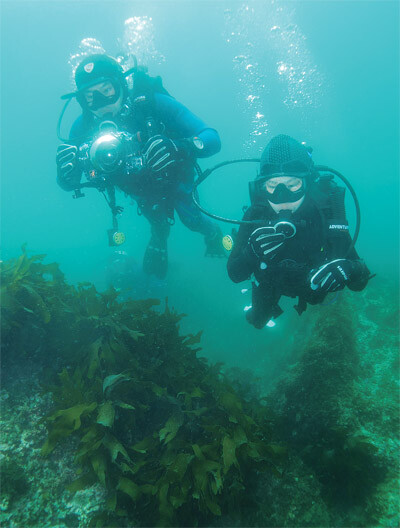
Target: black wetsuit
(316, 242)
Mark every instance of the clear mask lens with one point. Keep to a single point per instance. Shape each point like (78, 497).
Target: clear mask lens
(293, 185)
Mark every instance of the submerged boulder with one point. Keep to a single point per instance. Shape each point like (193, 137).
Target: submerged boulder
(338, 406)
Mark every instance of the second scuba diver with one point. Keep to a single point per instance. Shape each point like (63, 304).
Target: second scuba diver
(300, 245)
(145, 143)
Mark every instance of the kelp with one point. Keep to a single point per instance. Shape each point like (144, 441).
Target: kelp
(167, 434)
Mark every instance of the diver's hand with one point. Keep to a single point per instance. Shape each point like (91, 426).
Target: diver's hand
(265, 243)
(161, 153)
(332, 276)
(214, 247)
(66, 159)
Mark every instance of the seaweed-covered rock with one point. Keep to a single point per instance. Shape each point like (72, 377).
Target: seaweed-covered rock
(14, 481)
(111, 393)
(163, 432)
(33, 489)
(339, 410)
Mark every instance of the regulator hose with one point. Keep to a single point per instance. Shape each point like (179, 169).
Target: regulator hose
(203, 175)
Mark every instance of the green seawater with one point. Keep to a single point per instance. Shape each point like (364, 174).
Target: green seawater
(326, 73)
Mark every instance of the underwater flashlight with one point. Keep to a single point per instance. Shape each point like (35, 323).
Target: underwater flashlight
(107, 152)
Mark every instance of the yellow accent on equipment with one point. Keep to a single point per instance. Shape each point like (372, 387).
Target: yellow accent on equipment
(119, 238)
(227, 242)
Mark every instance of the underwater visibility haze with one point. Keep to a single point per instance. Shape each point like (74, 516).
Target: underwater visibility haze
(155, 403)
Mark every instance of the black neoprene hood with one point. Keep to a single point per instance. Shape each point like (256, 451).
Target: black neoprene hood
(94, 69)
(285, 155)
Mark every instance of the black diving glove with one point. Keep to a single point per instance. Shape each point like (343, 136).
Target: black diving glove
(161, 153)
(214, 247)
(332, 276)
(265, 243)
(66, 159)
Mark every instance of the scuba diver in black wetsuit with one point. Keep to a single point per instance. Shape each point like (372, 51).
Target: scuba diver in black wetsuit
(301, 246)
(143, 142)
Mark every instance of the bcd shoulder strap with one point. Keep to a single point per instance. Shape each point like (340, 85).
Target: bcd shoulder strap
(330, 198)
(144, 89)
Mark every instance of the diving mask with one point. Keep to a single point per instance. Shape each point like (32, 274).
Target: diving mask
(281, 189)
(102, 94)
(278, 188)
